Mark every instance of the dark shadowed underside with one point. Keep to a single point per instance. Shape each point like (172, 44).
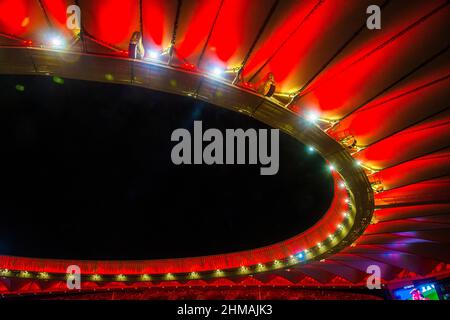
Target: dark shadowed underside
(86, 174)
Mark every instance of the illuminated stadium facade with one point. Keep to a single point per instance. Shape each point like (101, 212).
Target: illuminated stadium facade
(372, 103)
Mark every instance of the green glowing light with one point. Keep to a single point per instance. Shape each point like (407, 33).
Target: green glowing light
(58, 80)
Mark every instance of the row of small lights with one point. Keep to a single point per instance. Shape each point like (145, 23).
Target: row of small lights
(243, 270)
(260, 267)
(292, 260)
(58, 42)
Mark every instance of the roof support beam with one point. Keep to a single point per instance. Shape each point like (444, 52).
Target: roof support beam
(199, 61)
(318, 4)
(255, 41)
(174, 30)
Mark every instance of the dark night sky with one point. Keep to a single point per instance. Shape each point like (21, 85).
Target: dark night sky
(86, 174)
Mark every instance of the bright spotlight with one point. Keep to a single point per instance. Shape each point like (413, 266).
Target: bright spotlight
(300, 255)
(217, 71)
(311, 149)
(153, 54)
(358, 163)
(312, 116)
(56, 42)
(341, 185)
(331, 167)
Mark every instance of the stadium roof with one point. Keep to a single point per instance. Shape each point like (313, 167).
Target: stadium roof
(379, 100)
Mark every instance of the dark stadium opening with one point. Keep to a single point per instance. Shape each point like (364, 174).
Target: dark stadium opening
(87, 174)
